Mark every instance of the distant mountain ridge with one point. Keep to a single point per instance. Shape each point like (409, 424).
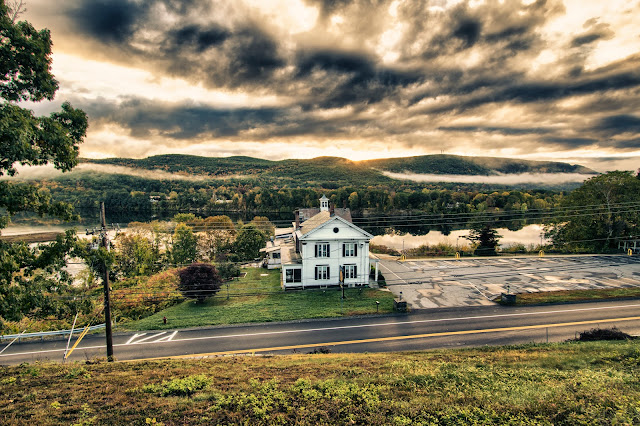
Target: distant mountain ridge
(460, 165)
(327, 168)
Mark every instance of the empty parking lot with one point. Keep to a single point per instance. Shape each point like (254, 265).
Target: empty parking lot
(472, 282)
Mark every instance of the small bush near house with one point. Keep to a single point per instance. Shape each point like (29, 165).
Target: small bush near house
(228, 270)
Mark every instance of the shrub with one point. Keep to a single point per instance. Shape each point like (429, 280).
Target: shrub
(603, 334)
(179, 387)
(199, 281)
(228, 270)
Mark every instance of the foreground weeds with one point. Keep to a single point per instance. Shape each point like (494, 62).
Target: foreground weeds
(567, 383)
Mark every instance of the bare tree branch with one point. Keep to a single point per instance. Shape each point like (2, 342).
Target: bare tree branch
(16, 8)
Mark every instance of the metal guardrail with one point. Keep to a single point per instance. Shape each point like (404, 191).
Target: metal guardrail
(44, 334)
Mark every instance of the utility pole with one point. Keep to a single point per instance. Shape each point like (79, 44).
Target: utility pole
(105, 278)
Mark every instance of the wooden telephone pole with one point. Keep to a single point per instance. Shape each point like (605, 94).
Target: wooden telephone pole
(105, 279)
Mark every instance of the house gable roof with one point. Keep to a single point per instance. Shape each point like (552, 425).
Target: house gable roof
(321, 220)
(308, 213)
(314, 222)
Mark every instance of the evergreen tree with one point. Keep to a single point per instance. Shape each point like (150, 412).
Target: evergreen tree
(486, 237)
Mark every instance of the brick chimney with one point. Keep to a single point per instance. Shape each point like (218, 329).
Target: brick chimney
(332, 210)
(297, 213)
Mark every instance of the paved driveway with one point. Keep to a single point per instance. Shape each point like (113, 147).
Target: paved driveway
(473, 282)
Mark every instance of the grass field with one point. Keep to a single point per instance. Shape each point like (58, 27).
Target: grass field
(258, 297)
(560, 384)
(576, 296)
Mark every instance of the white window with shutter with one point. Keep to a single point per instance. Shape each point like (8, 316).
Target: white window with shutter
(349, 249)
(322, 272)
(350, 271)
(322, 250)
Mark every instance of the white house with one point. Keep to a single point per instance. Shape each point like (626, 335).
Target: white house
(273, 250)
(326, 250)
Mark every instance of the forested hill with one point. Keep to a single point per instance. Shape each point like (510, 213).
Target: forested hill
(458, 165)
(176, 163)
(317, 168)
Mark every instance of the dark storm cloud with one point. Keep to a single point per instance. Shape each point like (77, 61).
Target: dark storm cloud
(628, 144)
(108, 20)
(496, 129)
(571, 143)
(219, 55)
(195, 37)
(616, 124)
(353, 78)
(545, 91)
(143, 118)
(596, 31)
(498, 31)
(468, 30)
(253, 55)
(458, 60)
(183, 122)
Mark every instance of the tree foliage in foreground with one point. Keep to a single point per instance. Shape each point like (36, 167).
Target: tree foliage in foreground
(30, 277)
(599, 214)
(199, 281)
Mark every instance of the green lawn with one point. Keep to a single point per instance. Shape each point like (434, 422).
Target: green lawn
(258, 297)
(576, 296)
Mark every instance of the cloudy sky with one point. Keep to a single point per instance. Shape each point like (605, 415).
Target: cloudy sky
(361, 79)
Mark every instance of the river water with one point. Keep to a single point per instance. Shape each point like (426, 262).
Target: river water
(530, 234)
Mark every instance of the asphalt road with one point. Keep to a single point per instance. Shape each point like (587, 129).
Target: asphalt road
(436, 328)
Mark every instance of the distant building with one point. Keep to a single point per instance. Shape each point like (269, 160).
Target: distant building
(324, 248)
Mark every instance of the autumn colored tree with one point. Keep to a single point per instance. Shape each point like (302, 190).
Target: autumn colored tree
(135, 255)
(199, 281)
(264, 225)
(217, 237)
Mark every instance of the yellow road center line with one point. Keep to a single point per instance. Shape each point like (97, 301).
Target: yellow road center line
(84, 332)
(388, 339)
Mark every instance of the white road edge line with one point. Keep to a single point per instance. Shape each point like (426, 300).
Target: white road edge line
(188, 339)
(479, 291)
(404, 281)
(166, 338)
(134, 337)
(147, 338)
